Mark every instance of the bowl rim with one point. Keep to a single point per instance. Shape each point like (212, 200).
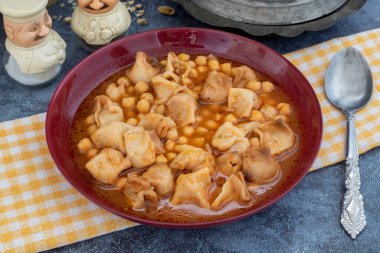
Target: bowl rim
(203, 224)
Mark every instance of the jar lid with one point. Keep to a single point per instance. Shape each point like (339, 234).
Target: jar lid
(22, 11)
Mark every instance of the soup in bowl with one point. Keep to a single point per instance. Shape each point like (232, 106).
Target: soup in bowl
(194, 130)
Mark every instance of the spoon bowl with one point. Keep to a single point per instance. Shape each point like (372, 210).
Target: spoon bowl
(349, 86)
(349, 80)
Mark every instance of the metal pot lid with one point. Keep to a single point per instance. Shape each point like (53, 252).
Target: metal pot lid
(270, 12)
(282, 30)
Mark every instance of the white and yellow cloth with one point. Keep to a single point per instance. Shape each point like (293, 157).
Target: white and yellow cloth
(40, 210)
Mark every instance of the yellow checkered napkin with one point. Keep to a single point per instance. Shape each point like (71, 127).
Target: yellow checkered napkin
(39, 210)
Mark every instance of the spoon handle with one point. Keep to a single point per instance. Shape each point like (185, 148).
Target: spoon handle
(353, 217)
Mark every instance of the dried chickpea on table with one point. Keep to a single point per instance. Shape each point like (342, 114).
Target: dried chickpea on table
(186, 130)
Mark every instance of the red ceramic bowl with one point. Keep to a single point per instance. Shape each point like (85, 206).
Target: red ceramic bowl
(98, 66)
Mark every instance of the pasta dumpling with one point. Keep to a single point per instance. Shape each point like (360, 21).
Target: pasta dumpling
(216, 88)
(164, 89)
(229, 163)
(111, 136)
(277, 136)
(115, 91)
(233, 189)
(182, 109)
(192, 158)
(160, 176)
(142, 70)
(140, 147)
(158, 123)
(229, 138)
(242, 101)
(106, 166)
(107, 111)
(242, 75)
(137, 190)
(259, 166)
(192, 188)
(179, 67)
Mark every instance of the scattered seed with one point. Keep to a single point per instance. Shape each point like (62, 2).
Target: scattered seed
(138, 6)
(67, 19)
(70, 1)
(131, 2)
(166, 10)
(142, 21)
(131, 9)
(140, 13)
(62, 5)
(54, 17)
(59, 18)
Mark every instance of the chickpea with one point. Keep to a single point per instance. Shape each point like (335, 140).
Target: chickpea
(92, 129)
(128, 103)
(184, 57)
(267, 86)
(211, 124)
(202, 69)
(192, 64)
(141, 87)
(147, 96)
(123, 81)
(169, 145)
(226, 68)
(141, 116)
(198, 88)
(160, 109)
(201, 130)
(253, 85)
(218, 116)
(269, 111)
(143, 106)
(255, 142)
(132, 121)
(199, 141)
(199, 118)
(230, 118)
(188, 130)
(130, 89)
(213, 64)
(182, 140)
(201, 60)
(90, 120)
(205, 113)
(161, 159)
(171, 155)
(84, 145)
(284, 108)
(91, 153)
(130, 114)
(172, 134)
(257, 116)
(164, 62)
(193, 73)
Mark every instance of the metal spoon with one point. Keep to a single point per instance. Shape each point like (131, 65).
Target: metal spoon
(348, 85)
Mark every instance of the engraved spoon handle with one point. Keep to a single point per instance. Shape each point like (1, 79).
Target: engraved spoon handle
(353, 217)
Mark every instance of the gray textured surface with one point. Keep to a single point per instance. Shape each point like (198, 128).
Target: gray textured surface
(306, 220)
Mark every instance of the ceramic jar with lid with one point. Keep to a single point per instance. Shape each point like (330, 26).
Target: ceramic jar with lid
(98, 22)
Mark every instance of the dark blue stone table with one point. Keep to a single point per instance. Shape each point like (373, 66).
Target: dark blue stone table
(306, 220)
